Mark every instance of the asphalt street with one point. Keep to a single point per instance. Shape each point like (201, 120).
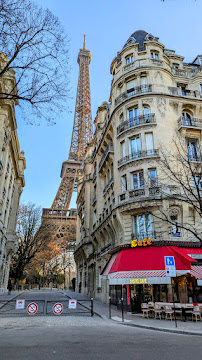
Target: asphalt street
(88, 338)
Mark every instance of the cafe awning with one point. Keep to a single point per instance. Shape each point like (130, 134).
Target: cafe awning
(146, 265)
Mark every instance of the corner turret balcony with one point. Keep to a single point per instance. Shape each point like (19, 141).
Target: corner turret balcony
(143, 89)
(136, 121)
(109, 150)
(189, 123)
(137, 156)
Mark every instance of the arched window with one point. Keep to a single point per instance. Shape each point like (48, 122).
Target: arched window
(187, 118)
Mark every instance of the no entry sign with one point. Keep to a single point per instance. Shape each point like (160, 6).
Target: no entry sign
(58, 309)
(32, 308)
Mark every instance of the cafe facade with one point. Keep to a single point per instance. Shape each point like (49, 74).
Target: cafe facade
(131, 212)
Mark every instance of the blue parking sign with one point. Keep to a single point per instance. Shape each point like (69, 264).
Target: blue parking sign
(169, 261)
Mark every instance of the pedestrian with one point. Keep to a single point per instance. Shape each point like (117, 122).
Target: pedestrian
(9, 287)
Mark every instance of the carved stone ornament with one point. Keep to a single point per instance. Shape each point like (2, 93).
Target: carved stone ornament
(147, 101)
(173, 212)
(159, 76)
(161, 105)
(174, 104)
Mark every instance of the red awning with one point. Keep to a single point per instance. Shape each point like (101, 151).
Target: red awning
(149, 259)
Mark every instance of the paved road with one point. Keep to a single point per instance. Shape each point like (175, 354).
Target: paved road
(75, 338)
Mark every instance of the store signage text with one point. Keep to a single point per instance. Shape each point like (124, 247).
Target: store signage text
(144, 242)
(138, 281)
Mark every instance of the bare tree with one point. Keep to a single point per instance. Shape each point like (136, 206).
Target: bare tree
(28, 222)
(34, 48)
(181, 182)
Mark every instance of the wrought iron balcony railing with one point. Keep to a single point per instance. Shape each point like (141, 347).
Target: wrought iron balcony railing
(138, 155)
(136, 121)
(107, 187)
(189, 123)
(132, 92)
(109, 149)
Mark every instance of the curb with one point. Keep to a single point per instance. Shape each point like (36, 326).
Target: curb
(148, 327)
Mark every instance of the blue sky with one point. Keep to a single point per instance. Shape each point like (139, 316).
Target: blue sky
(107, 25)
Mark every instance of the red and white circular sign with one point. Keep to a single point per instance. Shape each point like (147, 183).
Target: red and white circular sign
(58, 309)
(32, 308)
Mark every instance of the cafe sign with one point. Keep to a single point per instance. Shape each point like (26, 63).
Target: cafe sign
(138, 281)
(144, 242)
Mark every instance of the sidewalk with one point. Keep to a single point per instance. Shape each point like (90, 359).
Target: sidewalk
(136, 320)
(5, 297)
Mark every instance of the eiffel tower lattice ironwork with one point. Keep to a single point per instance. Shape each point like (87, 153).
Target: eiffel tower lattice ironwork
(58, 222)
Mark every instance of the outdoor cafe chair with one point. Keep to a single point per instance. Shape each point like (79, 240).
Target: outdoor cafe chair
(168, 311)
(197, 313)
(157, 311)
(178, 309)
(145, 310)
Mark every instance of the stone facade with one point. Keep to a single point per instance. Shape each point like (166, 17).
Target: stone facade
(153, 96)
(12, 165)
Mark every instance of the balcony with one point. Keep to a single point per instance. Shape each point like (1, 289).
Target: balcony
(177, 91)
(181, 73)
(195, 158)
(94, 175)
(137, 156)
(136, 121)
(193, 123)
(143, 89)
(109, 149)
(143, 235)
(107, 187)
(94, 200)
(136, 192)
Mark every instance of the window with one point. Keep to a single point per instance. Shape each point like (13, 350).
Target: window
(191, 216)
(187, 118)
(201, 88)
(138, 180)
(143, 80)
(155, 55)
(147, 113)
(121, 119)
(149, 142)
(193, 150)
(143, 226)
(175, 227)
(129, 59)
(152, 178)
(134, 116)
(135, 145)
(123, 149)
(124, 183)
(131, 85)
(183, 89)
(197, 183)
(94, 217)
(175, 66)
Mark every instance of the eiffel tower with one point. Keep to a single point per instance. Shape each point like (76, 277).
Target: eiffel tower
(58, 222)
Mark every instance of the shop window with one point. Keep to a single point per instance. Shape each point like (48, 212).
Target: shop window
(143, 226)
(193, 150)
(129, 59)
(138, 180)
(152, 178)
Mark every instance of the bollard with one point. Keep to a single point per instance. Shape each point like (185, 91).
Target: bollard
(122, 309)
(91, 306)
(110, 307)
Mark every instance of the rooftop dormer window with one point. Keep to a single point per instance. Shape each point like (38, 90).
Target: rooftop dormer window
(175, 66)
(155, 55)
(129, 59)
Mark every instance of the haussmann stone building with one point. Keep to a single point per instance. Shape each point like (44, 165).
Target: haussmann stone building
(124, 193)
(12, 165)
